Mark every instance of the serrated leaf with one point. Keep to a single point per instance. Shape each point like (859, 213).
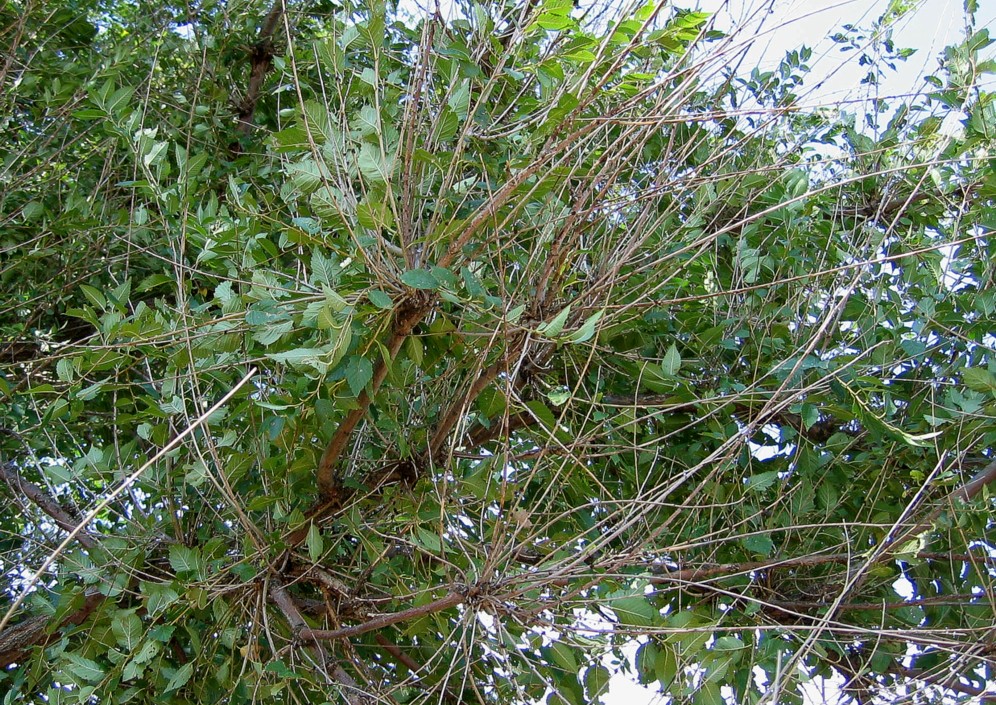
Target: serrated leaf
(367, 121)
(272, 332)
(559, 396)
(979, 379)
(634, 611)
(180, 678)
(810, 415)
(596, 681)
(762, 481)
(83, 668)
(359, 372)
(373, 165)
(183, 559)
(127, 628)
(759, 543)
(324, 270)
(420, 279)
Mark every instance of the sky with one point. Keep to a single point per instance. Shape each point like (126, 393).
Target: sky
(931, 26)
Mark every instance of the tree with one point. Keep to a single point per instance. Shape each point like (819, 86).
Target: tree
(351, 357)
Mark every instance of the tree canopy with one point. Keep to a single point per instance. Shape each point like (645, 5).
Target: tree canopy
(358, 353)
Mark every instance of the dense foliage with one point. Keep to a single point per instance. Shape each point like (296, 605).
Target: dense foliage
(352, 354)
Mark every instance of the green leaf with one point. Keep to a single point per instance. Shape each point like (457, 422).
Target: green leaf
(428, 540)
(180, 677)
(302, 357)
(86, 670)
(671, 362)
(979, 379)
(376, 167)
(94, 296)
(184, 559)
(563, 655)
(587, 329)
(65, 369)
(359, 372)
(459, 100)
(553, 327)
(634, 611)
(810, 415)
(709, 693)
(379, 299)
(596, 682)
(324, 270)
(728, 643)
(758, 543)
(314, 542)
(127, 628)
(420, 279)
(762, 481)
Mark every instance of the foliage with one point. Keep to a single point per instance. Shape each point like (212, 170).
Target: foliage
(445, 360)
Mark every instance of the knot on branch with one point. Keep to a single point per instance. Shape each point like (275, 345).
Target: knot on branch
(412, 309)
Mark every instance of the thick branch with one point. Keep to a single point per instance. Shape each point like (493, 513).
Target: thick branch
(278, 593)
(459, 406)
(451, 599)
(260, 63)
(964, 493)
(957, 600)
(951, 683)
(16, 640)
(501, 428)
(62, 517)
(687, 575)
(407, 317)
(973, 487)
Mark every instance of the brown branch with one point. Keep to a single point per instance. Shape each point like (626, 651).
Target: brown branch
(451, 599)
(412, 665)
(260, 62)
(501, 428)
(16, 640)
(940, 600)
(687, 575)
(973, 487)
(399, 655)
(951, 683)
(459, 405)
(62, 517)
(278, 593)
(846, 664)
(408, 315)
(964, 493)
